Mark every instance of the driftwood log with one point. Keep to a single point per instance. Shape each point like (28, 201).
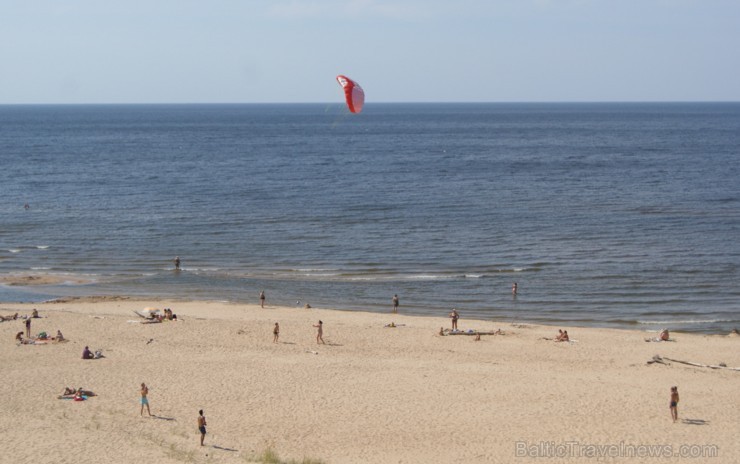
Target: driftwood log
(657, 359)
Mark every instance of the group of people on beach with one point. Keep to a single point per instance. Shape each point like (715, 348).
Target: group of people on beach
(41, 338)
(144, 401)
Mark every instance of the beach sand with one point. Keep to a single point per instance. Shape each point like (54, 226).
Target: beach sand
(370, 395)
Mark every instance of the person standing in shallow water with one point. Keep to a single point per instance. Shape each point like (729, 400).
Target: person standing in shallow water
(395, 303)
(514, 289)
(177, 263)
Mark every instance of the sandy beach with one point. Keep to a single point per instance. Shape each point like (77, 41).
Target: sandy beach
(371, 394)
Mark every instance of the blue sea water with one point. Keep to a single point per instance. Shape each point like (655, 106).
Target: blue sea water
(614, 215)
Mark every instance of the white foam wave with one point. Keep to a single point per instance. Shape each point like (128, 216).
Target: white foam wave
(685, 321)
(473, 276)
(425, 277)
(40, 268)
(315, 270)
(42, 247)
(14, 250)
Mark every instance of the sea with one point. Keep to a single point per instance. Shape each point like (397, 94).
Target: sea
(619, 215)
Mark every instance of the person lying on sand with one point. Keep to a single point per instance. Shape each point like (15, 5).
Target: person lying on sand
(9, 318)
(664, 336)
(75, 393)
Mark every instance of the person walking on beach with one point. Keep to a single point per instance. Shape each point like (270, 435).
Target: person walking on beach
(28, 327)
(202, 426)
(177, 263)
(395, 303)
(144, 400)
(674, 403)
(262, 298)
(276, 333)
(454, 316)
(320, 333)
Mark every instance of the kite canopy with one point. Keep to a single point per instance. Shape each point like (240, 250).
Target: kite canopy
(353, 93)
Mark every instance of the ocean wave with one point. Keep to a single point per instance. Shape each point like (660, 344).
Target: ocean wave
(314, 270)
(42, 247)
(473, 276)
(685, 321)
(14, 250)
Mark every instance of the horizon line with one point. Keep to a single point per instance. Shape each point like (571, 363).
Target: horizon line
(463, 102)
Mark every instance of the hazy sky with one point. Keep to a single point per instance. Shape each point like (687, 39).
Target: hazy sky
(241, 51)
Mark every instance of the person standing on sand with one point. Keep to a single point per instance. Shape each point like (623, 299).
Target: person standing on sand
(177, 263)
(144, 400)
(674, 403)
(395, 303)
(202, 426)
(262, 298)
(454, 316)
(320, 333)
(28, 327)
(276, 333)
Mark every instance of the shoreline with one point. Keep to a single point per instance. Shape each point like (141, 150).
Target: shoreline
(372, 394)
(421, 298)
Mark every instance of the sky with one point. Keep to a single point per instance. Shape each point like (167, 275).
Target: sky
(290, 51)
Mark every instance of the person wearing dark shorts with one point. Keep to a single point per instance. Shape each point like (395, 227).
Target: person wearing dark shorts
(395, 303)
(202, 426)
(262, 298)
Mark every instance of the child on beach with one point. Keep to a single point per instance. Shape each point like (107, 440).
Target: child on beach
(320, 333)
(674, 403)
(202, 426)
(144, 400)
(276, 333)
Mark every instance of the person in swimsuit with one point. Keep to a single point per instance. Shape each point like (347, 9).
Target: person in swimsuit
(262, 298)
(28, 327)
(275, 333)
(320, 333)
(664, 335)
(454, 316)
(144, 400)
(177, 263)
(674, 403)
(202, 426)
(514, 289)
(395, 303)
